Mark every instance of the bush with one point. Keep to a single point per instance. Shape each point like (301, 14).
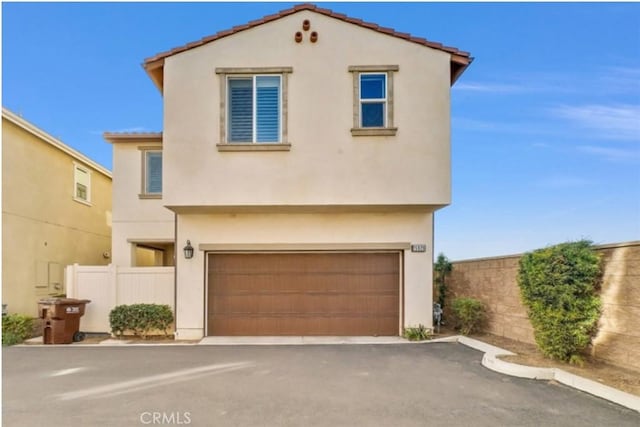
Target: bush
(469, 314)
(442, 268)
(16, 328)
(558, 287)
(140, 319)
(419, 333)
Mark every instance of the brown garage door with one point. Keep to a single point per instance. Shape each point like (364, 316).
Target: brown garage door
(304, 294)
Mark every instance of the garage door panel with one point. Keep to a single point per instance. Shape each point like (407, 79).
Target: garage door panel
(311, 304)
(303, 294)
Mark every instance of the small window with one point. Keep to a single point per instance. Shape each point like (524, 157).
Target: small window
(373, 100)
(81, 184)
(151, 173)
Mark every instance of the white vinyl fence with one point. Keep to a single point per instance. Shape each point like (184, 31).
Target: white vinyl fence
(109, 286)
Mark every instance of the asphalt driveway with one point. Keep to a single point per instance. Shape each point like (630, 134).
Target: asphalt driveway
(440, 384)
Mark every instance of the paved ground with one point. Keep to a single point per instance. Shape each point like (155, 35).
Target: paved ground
(326, 385)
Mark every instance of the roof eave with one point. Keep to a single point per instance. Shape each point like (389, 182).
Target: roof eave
(155, 71)
(154, 65)
(459, 65)
(119, 137)
(55, 142)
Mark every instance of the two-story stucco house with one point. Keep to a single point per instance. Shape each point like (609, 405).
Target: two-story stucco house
(56, 211)
(302, 158)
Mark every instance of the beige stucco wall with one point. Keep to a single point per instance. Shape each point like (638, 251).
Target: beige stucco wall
(494, 281)
(326, 165)
(135, 218)
(337, 231)
(43, 227)
(331, 190)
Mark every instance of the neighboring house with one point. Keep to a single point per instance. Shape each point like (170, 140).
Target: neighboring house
(303, 157)
(56, 210)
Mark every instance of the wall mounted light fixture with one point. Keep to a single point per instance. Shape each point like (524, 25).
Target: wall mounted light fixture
(188, 250)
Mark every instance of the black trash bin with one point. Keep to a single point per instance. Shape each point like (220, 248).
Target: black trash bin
(61, 319)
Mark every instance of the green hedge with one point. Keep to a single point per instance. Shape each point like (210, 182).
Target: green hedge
(558, 287)
(469, 314)
(140, 319)
(16, 328)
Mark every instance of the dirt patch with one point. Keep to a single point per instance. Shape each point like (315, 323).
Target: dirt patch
(528, 354)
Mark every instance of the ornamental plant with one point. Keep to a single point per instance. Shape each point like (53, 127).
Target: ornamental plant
(419, 333)
(16, 328)
(442, 267)
(469, 314)
(558, 286)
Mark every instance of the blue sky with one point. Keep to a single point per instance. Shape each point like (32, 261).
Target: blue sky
(545, 122)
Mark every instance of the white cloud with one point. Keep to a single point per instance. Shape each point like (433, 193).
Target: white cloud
(492, 87)
(621, 79)
(604, 81)
(135, 129)
(620, 122)
(541, 145)
(561, 182)
(510, 127)
(612, 154)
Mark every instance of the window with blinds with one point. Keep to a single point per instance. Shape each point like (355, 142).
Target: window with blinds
(153, 172)
(254, 109)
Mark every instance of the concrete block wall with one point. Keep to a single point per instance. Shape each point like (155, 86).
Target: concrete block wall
(618, 338)
(493, 281)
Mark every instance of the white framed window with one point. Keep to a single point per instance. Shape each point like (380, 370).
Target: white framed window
(253, 109)
(81, 183)
(373, 100)
(151, 172)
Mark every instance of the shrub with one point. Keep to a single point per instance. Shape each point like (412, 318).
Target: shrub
(469, 313)
(442, 267)
(16, 328)
(140, 318)
(419, 333)
(558, 287)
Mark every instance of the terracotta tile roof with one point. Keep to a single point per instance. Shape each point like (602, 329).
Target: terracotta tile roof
(460, 59)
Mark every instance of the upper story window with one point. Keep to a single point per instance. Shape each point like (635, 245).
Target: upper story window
(81, 184)
(151, 173)
(373, 100)
(253, 109)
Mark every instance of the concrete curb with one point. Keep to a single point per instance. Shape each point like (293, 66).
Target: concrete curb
(491, 361)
